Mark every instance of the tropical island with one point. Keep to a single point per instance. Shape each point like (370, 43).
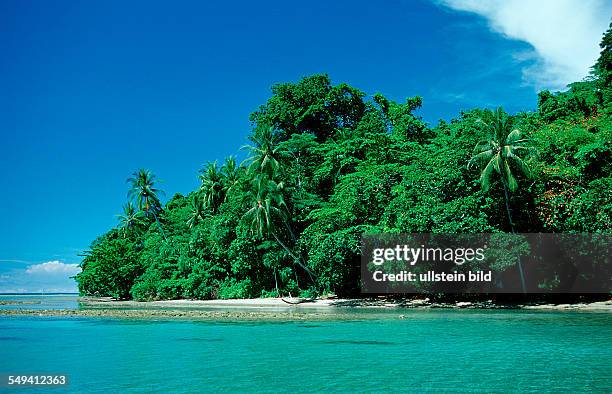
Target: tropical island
(327, 163)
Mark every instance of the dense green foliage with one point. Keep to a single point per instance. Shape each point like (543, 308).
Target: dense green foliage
(326, 165)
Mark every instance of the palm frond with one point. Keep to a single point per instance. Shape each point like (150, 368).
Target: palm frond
(486, 174)
(480, 157)
(511, 181)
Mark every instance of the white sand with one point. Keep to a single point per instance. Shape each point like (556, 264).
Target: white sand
(278, 303)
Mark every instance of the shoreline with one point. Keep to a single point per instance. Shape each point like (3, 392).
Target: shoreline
(275, 309)
(332, 303)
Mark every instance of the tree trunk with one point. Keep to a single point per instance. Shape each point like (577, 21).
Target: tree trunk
(507, 198)
(161, 230)
(295, 258)
(276, 283)
(520, 265)
(288, 227)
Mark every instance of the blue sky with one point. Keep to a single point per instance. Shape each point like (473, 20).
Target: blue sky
(92, 91)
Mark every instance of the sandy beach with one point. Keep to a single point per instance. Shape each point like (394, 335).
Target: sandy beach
(327, 304)
(231, 303)
(279, 309)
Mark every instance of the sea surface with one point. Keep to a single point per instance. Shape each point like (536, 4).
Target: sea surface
(425, 351)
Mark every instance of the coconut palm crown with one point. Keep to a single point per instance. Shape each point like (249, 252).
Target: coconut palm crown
(503, 153)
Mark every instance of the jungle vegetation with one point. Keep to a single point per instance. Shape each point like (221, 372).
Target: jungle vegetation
(327, 163)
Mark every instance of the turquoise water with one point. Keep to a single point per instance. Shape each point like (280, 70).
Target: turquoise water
(426, 351)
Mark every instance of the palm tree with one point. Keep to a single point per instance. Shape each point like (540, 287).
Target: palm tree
(198, 211)
(130, 218)
(503, 153)
(144, 192)
(211, 185)
(268, 208)
(231, 175)
(266, 154)
(267, 204)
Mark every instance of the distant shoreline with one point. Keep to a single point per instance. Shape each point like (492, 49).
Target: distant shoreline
(38, 294)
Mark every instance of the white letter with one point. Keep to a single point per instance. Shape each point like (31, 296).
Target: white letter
(415, 256)
(378, 256)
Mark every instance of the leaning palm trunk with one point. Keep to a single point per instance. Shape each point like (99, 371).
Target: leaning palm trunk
(520, 265)
(161, 230)
(296, 259)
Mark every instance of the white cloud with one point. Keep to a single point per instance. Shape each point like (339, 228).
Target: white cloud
(564, 34)
(54, 268)
(51, 276)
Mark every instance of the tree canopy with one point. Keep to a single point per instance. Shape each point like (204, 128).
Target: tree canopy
(327, 164)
